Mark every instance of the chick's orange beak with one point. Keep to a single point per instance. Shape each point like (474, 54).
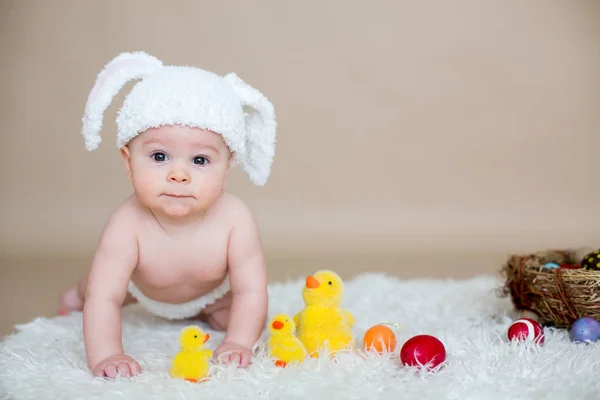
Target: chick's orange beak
(312, 283)
(206, 337)
(277, 325)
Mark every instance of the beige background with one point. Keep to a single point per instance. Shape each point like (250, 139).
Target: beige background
(417, 138)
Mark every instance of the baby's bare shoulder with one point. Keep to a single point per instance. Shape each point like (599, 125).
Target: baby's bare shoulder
(119, 236)
(234, 209)
(127, 215)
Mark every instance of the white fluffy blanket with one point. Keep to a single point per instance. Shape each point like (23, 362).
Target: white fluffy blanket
(46, 359)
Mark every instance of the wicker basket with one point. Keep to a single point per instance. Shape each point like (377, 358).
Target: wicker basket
(558, 296)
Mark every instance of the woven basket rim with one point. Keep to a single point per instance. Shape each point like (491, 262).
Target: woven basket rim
(558, 295)
(533, 263)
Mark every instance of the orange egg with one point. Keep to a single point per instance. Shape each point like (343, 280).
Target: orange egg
(380, 338)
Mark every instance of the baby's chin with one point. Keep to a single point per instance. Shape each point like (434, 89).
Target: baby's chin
(180, 209)
(180, 212)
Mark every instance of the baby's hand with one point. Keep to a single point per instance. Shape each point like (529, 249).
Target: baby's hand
(119, 363)
(229, 352)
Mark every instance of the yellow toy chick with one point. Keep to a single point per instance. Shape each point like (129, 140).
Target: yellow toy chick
(323, 324)
(283, 345)
(191, 363)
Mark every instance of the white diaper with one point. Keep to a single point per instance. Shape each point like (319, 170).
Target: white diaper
(179, 311)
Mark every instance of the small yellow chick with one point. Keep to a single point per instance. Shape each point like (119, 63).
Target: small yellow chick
(191, 363)
(283, 345)
(323, 321)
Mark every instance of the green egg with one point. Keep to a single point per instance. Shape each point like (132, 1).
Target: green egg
(590, 261)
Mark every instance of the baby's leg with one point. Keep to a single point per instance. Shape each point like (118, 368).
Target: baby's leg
(217, 314)
(73, 298)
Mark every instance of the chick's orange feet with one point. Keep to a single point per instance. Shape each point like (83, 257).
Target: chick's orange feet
(192, 380)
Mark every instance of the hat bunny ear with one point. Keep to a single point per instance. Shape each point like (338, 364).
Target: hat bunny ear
(259, 118)
(114, 75)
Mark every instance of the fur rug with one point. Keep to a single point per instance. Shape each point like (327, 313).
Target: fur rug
(46, 358)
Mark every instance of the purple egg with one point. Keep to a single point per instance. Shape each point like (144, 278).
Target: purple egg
(584, 329)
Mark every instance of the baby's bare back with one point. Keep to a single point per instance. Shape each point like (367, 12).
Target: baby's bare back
(180, 267)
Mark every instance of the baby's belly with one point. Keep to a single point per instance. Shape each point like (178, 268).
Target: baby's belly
(176, 287)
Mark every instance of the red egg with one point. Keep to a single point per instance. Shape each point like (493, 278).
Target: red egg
(570, 266)
(526, 329)
(423, 350)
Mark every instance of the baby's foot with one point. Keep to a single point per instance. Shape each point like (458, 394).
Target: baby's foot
(70, 301)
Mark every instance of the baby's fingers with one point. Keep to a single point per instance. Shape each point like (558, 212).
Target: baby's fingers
(134, 367)
(123, 369)
(224, 357)
(244, 360)
(110, 370)
(235, 358)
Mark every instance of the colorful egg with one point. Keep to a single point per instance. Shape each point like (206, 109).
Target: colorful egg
(551, 265)
(423, 351)
(591, 261)
(379, 338)
(526, 330)
(570, 266)
(585, 329)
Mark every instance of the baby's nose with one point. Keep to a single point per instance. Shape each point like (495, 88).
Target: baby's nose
(179, 176)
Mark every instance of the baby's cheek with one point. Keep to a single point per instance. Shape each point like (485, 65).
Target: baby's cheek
(209, 188)
(145, 185)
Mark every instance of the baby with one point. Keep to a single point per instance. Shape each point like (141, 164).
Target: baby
(180, 245)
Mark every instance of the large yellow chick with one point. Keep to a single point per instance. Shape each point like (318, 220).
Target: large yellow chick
(283, 345)
(191, 363)
(323, 325)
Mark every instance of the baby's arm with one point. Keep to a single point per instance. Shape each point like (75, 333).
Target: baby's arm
(114, 262)
(248, 279)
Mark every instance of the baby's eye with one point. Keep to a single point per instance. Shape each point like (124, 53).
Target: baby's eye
(200, 160)
(159, 157)
(195, 336)
(330, 283)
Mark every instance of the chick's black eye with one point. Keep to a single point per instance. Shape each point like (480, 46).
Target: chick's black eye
(200, 160)
(159, 157)
(195, 336)
(330, 283)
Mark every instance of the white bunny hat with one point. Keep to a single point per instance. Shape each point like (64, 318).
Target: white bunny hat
(168, 95)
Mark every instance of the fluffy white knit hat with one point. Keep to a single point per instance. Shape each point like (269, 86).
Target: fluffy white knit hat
(168, 95)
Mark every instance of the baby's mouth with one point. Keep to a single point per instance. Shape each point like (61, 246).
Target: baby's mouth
(178, 196)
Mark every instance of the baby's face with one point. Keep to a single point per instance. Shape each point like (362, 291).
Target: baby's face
(177, 171)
